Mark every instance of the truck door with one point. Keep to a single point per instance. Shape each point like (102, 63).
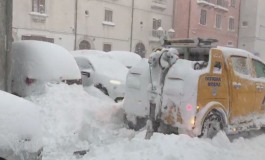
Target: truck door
(242, 87)
(259, 69)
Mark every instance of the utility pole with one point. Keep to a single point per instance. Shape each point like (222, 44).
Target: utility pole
(131, 36)
(5, 42)
(75, 25)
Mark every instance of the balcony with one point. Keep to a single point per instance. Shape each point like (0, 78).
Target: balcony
(210, 3)
(159, 4)
(221, 5)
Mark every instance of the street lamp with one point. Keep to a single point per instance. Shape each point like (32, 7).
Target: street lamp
(165, 35)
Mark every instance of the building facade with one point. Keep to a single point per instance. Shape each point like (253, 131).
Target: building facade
(216, 19)
(252, 27)
(129, 25)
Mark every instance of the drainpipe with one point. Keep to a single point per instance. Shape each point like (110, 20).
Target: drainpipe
(75, 25)
(188, 32)
(8, 43)
(131, 36)
(174, 12)
(239, 16)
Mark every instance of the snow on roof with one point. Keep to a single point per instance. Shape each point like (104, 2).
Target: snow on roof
(43, 60)
(127, 58)
(104, 64)
(19, 119)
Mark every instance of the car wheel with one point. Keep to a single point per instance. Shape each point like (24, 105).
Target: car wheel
(140, 123)
(2, 158)
(212, 124)
(197, 66)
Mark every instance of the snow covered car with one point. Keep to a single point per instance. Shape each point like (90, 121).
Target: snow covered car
(20, 136)
(36, 63)
(136, 101)
(128, 59)
(105, 73)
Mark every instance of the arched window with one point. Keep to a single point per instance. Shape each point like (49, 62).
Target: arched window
(84, 45)
(140, 49)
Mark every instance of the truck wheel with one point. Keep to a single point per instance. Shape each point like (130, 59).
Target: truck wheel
(140, 123)
(213, 123)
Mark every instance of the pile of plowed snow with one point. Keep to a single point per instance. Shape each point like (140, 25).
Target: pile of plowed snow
(74, 120)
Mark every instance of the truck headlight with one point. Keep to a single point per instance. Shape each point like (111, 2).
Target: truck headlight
(115, 82)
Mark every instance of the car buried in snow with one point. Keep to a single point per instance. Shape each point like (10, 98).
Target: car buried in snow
(20, 126)
(36, 63)
(227, 92)
(102, 71)
(128, 59)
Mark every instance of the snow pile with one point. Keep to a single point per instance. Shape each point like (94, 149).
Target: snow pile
(95, 92)
(19, 123)
(180, 147)
(74, 120)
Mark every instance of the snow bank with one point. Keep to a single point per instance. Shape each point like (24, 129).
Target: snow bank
(75, 120)
(180, 147)
(19, 121)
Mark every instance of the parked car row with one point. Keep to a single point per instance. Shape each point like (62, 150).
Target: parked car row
(34, 65)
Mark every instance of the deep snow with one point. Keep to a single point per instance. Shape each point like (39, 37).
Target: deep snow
(74, 120)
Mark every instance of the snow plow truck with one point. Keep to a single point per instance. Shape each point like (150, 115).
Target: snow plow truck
(194, 87)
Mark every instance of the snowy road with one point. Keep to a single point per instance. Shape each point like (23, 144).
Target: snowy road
(74, 120)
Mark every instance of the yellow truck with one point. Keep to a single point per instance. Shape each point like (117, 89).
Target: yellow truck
(225, 93)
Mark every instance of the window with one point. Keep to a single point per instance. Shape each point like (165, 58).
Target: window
(38, 6)
(203, 17)
(156, 23)
(240, 65)
(233, 3)
(220, 2)
(37, 38)
(244, 23)
(231, 24)
(230, 44)
(106, 47)
(140, 49)
(108, 15)
(218, 22)
(259, 68)
(217, 68)
(84, 45)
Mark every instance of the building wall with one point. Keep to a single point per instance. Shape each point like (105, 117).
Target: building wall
(58, 22)
(252, 36)
(209, 30)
